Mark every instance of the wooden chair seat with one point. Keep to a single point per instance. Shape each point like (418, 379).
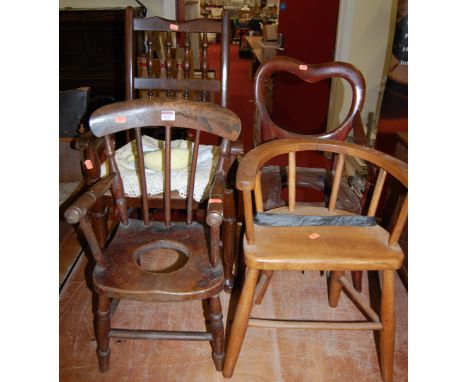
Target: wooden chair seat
(125, 278)
(336, 248)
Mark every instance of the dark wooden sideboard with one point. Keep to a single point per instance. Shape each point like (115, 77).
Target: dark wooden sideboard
(91, 52)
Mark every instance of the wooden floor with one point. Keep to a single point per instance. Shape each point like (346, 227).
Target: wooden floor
(267, 354)
(70, 250)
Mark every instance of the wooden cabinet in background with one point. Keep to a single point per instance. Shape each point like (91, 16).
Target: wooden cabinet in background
(92, 53)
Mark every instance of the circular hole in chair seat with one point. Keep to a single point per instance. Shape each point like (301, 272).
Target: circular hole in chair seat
(161, 256)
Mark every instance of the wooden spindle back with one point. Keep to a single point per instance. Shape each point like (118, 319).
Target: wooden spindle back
(171, 85)
(336, 182)
(249, 172)
(169, 113)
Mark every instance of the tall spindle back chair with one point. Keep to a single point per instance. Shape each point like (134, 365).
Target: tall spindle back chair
(161, 261)
(301, 237)
(170, 28)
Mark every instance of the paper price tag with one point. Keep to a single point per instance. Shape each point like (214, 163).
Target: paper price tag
(167, 115)
(174, 27)
(302, 67)
(120, 119)
(88, 164)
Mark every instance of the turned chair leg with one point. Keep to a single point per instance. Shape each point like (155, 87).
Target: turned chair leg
(335, 287)
(217, 331)
(102, 332)
(262, 286)
(99, 220)
(241, 320)
(229, 238)
(387, 318)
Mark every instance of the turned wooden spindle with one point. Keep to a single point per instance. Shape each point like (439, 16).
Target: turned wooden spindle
(191, 185)
(142, 175)
(149, 61)
(204, 63)
(258, 193)
(117, 188)
(186, 62)
(167, 176)
(292, 181)
(102, 332)
(168, 62)
(217, 331)
(336, 182)
(377, 192)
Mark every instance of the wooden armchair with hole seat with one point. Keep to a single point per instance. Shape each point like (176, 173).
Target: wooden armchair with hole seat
(172, 87)
(301, 237)
(274, 177)
(158, 261)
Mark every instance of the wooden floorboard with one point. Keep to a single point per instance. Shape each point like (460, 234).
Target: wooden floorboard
(69, 251)
(267, 354)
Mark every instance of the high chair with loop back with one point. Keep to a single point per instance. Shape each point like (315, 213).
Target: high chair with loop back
(158, 261)
(301, 237)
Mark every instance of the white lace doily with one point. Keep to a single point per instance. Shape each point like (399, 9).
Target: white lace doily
(206, 164)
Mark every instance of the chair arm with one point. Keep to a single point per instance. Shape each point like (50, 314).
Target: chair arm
(91, 149)
(214, 216)
(85, 202)
(87, 141)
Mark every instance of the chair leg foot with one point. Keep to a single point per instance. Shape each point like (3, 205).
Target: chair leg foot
(241, 320)
(102, 332)
(217, 331)
(103, 359)
(387, 318)
(218, 361)
(229, 284)
(335, 288)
